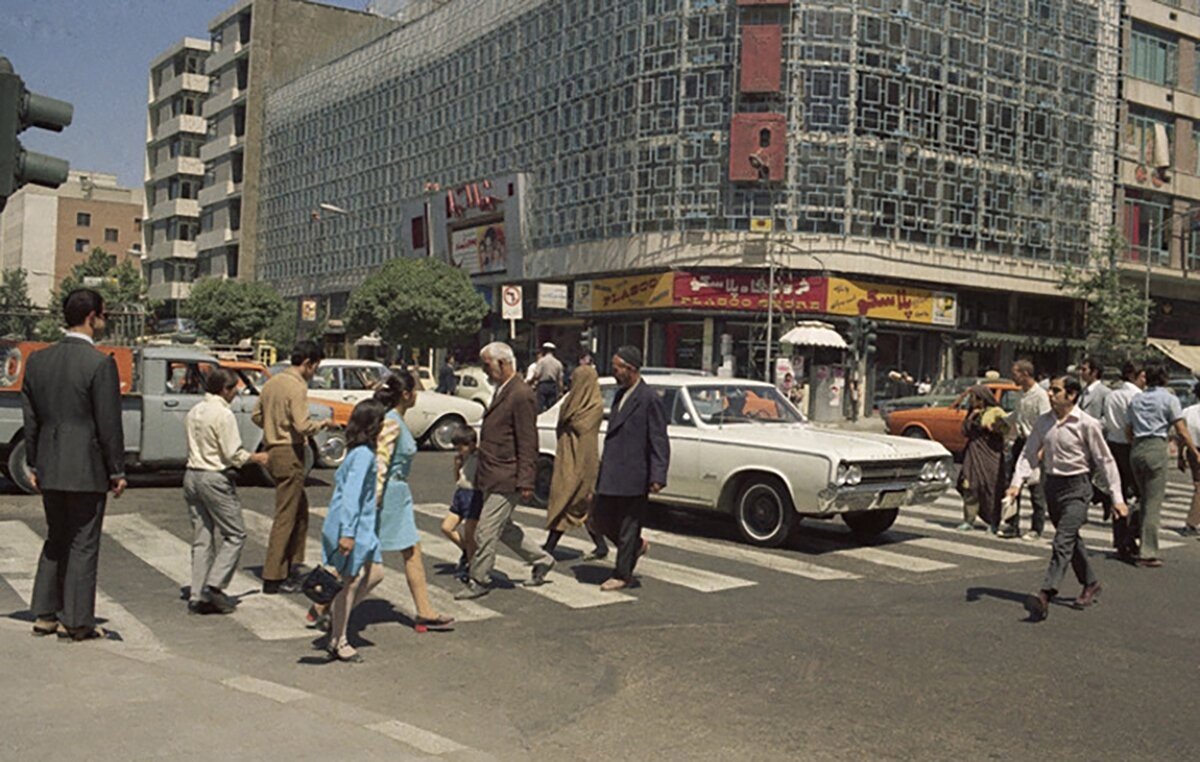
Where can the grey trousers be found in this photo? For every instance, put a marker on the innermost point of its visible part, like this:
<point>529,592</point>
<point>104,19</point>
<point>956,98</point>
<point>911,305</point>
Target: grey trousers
<point>218,530</point>
<point>1067,499</point>
<point>496,525</point>
<point>65,585</point>
<point>1149,461</point>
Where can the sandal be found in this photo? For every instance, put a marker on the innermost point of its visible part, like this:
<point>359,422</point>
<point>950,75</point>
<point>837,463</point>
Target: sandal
<point>80,634</point>
<point>337,654</point>
<point>422,624</point>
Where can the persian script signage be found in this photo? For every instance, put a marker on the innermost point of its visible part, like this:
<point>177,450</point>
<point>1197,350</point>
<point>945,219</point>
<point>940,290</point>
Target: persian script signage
<point>749,292</point>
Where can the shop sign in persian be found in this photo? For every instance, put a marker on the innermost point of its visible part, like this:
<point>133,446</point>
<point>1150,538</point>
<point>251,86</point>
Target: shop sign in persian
<point>888,302</point>
<point>481,249</point>
<point>633,292</point>
<point>748,291</point>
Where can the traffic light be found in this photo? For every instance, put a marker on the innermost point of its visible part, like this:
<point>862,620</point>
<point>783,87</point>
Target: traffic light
<point>20,110</point>
<point>587,340</point>
<point>869,335</point>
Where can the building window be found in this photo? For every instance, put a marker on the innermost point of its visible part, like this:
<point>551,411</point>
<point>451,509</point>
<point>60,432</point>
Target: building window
<point>111,234</point>
<point>137,224</point>
<point>137,247</point>
<point>1139,133</point>
<point>83,219</point>
<point>418,232</point>
<point>1153,56</point>
<point>82,244</point>
<point>1148,228</point>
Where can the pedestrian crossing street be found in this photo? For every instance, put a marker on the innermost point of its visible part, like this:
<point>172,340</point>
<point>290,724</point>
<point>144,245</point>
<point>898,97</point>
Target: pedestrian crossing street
<point>923,543</point>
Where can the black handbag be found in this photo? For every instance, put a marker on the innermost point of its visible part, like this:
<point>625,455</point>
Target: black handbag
<point>322,585</point>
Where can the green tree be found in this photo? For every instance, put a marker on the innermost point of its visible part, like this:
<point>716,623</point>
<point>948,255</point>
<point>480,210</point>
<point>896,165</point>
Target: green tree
<point>120,284</point>
<point>418,302</point>
<point>282,332</point>
<point>1115,320</point>
<point>228,311</point>
<point>17,316</point>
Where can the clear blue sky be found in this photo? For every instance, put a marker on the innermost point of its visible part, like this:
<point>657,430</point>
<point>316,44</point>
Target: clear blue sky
<point>96,54</point>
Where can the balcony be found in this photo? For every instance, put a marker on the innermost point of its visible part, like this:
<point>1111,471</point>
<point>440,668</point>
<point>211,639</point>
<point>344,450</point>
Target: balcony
<point>180,165</point>
<point>184,123</point>
<point>180,207</point>
<point>216,193</point>
<point>228,53</point>
<point>172,250</point>
<point>222,101</point>
<point>193,83</point>
<point>160,292</point>
<point>216,239</point>
<point>218,147</point>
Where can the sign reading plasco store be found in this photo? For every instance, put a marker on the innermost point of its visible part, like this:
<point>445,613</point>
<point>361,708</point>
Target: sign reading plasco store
<point>888,302</point>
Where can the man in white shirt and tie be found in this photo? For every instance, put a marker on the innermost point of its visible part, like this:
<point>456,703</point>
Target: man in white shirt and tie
<point>1115,420</point>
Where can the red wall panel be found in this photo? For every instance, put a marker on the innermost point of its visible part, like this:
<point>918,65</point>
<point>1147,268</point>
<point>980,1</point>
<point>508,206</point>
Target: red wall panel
<point>762,58</point>
<point>757,147</point>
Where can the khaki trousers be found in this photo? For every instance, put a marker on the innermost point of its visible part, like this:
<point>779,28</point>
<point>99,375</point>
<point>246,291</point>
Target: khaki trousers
<point>285,463</point>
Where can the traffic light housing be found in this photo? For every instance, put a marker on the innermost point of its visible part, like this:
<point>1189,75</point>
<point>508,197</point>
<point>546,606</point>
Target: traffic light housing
<point>587,340</point>
<point>20,110</point>
<point>869,336</point>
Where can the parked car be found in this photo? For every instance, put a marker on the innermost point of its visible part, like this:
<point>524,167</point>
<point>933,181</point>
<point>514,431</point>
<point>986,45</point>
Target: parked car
<point>738,447</point>
<point>943,393</point>
<point>159,385</point>
<point>474,385</point>
<point>1184,388</point>
<point>943,424</point>
<point>433,419</point>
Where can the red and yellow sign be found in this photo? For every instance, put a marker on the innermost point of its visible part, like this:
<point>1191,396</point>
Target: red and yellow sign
<point>748,291</point>
<point>886,302</point>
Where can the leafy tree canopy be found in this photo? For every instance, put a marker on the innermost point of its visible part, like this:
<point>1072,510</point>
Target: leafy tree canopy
<point>17,317</point>
<point>418,302</point>
<point>228,311</point>
<point>120,284</point>
<point>1116,309</point>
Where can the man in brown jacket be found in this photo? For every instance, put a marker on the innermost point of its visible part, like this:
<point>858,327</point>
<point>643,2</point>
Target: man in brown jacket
<point>507,467</point>
<point>282,414</point>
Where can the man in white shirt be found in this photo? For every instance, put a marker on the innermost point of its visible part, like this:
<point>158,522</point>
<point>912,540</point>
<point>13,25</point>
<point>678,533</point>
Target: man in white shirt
<point>215,452</point>
<point>1034,403</point>
<point>1189,463</point>
<point>1091,377</point>
<point>1115,420</point>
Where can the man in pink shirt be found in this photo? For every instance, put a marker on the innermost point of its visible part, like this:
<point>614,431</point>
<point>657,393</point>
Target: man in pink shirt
<point>1070,444</point>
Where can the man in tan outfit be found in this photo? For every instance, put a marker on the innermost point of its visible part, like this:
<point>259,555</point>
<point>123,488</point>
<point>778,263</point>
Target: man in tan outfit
<point>282,414</point>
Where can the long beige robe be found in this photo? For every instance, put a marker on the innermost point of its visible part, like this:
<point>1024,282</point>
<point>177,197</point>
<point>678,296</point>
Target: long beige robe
<point>577,455</point>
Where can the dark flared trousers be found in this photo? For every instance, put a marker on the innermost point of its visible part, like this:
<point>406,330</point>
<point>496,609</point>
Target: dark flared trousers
<point>620,519</point>
<point>1067,499</point>
<point>65,586</point>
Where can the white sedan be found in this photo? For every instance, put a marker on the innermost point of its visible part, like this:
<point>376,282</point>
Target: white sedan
<point>739,447</point>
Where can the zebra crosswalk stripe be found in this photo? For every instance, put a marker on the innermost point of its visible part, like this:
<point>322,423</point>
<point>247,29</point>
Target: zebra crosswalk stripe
<point>20,548</point>
<point>1094,535</point>
<point>892,559</point>
<point>971,551</point>
<point>393,588</point>
<point>270,617</point>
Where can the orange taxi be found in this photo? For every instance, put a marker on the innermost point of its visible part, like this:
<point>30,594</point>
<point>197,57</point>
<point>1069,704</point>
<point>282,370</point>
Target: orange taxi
<point>944,424</point>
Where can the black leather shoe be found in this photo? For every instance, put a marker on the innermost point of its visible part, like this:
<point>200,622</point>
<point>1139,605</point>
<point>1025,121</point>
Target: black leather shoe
<point>1038,606</point>
<point>221,603</point>
<point>1088,596</point>
<point>275,587</point>
<point>538,577</point>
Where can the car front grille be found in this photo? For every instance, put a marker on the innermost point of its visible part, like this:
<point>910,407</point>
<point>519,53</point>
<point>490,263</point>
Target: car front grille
<point>891,471</point>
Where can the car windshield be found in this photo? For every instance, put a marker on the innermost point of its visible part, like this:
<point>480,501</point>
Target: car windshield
<point>737,403</point>
<point>953,386</point>
<point>363,378</point>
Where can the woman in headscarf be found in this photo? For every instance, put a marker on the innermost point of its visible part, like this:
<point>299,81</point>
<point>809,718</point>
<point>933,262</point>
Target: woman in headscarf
<point>576,460</point>
<point>982,474</point>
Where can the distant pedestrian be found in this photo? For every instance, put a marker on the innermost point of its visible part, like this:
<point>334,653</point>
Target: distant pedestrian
<point>508,451</point>
<point>925,386</point>
<point>1126,529</point>
<point>1190,464</point>
<point>397,520</point>
<point>633,466</point>
<point>576,461</point>
<point>979,480</point>
<point>282,414</point>
<point>447,380</point>
<point>547,378</point>
<point>75,447</point>
<point>215,453</point>
<point>467,503</point>
<point>349,542</point>
<point>1070,445</point>
<point>1033,404</point>
<point>1152,416</point>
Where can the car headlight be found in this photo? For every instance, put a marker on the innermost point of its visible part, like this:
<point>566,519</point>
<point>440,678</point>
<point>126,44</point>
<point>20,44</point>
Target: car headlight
<point>842,473</point>
<point>927,470</point>
<point>853,475</point>
<point>941,471</point>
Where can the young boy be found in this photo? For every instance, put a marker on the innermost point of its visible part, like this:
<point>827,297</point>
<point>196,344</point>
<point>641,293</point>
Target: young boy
<point>467,501</point>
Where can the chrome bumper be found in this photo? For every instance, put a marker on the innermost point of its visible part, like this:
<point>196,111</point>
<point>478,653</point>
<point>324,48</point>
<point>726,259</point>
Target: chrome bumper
<point>871,497</point>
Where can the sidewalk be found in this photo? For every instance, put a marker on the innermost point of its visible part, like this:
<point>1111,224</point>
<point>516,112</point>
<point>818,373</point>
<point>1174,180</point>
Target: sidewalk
<point>89,700</point>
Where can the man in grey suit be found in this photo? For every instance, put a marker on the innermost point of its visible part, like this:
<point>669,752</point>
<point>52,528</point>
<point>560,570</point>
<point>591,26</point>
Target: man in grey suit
<point>634,464</point>
<point>72,405</point>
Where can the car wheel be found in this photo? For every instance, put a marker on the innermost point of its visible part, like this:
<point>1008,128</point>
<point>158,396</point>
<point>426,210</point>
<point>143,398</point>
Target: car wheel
<point>867,524</point>
<point>915,432</point>
<point>19,471</point>
<point>541,484</point>
<point>333,450</point>
<point>764,512</point>
<point>441,436</point>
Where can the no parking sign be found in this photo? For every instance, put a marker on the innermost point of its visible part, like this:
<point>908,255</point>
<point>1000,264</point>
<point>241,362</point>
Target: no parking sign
<point>511,299</point>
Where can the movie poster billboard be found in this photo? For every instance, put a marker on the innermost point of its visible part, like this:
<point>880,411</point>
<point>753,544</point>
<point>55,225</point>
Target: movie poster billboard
<point>480,250</point>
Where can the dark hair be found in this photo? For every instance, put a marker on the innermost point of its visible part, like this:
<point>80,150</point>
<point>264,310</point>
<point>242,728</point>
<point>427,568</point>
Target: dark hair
<point>218,379</point>
<point>463,435</point>
<point>1156,374</point>
<point>1130,370</point>
<point>1025,365</point>
<point>1095,365</point>
<point>394,386</point>
<point>365,422</point>
<point>307,350</point>
<point>1071,386</point>
<point>79,304</point>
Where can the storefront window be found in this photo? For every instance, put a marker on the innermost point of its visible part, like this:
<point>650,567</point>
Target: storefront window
<point>683,345</point>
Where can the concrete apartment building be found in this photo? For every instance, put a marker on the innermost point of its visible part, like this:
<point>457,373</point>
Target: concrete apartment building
<point>174,172</point>
<point>48,231</point>
<point>1158,190</point>
<point>256,43</point>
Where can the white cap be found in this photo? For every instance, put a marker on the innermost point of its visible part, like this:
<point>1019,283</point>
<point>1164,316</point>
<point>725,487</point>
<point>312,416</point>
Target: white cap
<point>549,345</point>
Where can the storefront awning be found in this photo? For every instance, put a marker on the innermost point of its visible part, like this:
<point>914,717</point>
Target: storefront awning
<point>813,333</point>
<point>1185,355</point>
<point>1020,341</point>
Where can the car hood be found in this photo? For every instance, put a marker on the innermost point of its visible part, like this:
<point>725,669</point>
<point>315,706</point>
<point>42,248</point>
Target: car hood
<point>837,445</point>
<point>445,403</point>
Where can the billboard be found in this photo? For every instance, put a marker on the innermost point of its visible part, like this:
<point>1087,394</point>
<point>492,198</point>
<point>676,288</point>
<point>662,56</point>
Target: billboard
<point>887,302</point>
<point>748,291</point>
<point>481,249</point>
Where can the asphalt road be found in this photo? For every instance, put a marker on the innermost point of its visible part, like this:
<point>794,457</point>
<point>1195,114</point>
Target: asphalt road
<point>914,647</point>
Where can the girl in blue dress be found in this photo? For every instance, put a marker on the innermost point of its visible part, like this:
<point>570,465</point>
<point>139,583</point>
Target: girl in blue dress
<point>397,524</point>
<point>349,538</point>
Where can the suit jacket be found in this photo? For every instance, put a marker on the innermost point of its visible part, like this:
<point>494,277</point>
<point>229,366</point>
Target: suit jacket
<point>636,449</point>
<point>508,441</point>
<point>71,399</point>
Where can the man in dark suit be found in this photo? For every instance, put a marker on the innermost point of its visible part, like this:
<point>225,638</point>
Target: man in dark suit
<point>634,464</point>
<point>508,451</point>
<point>76,448</point>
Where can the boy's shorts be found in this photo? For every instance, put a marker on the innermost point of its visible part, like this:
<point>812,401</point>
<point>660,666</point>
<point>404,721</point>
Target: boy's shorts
<point>467,503</point>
